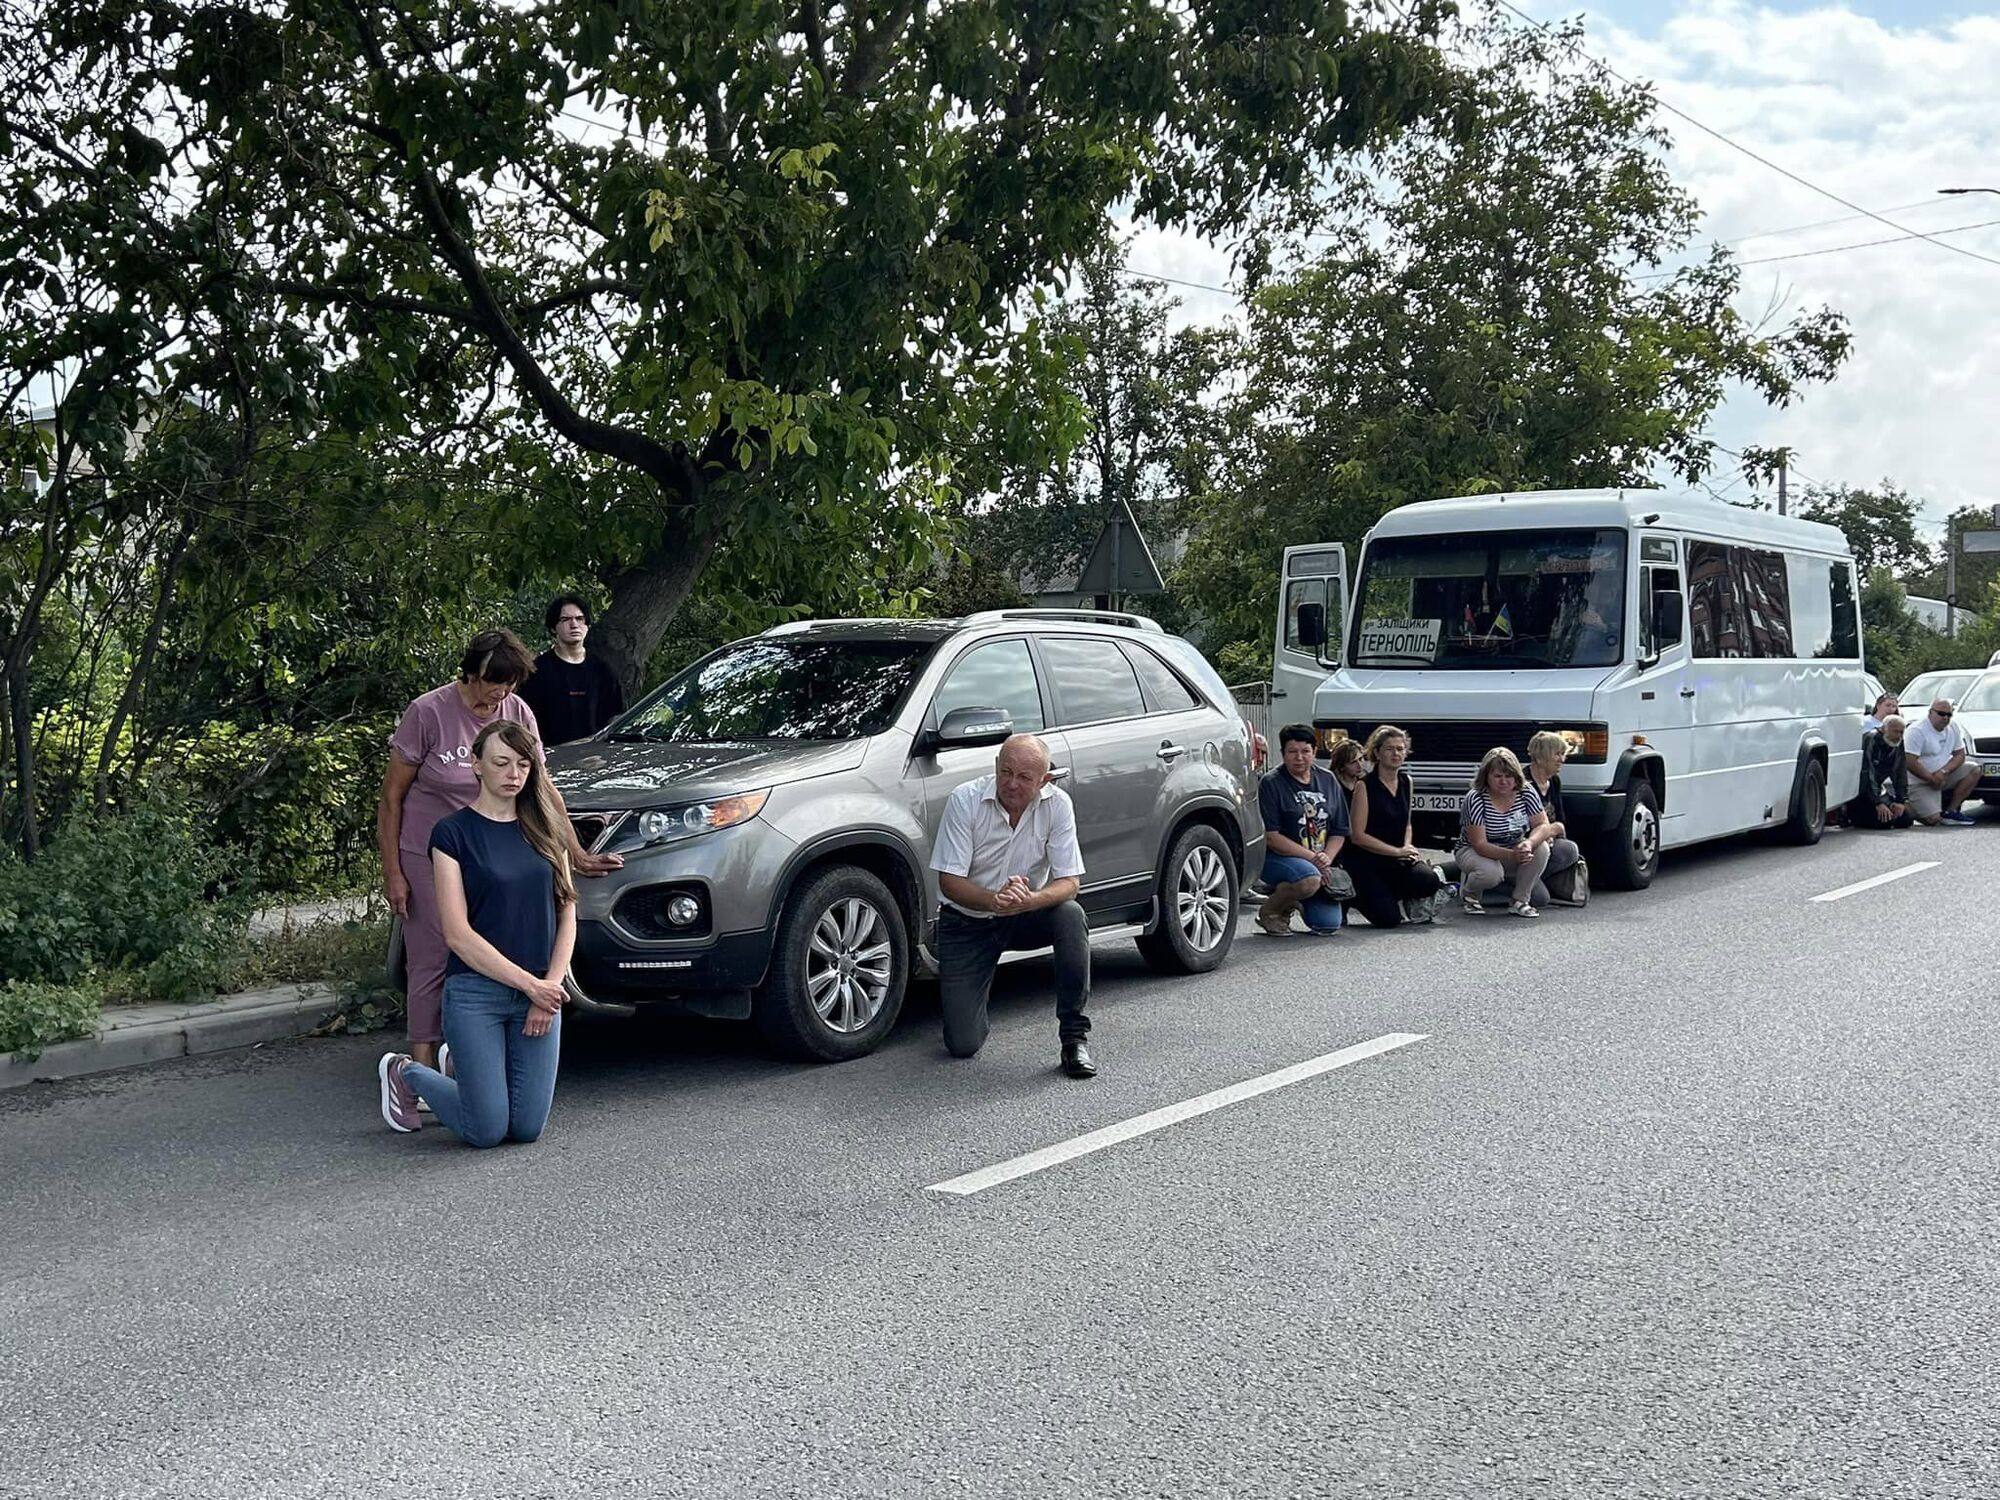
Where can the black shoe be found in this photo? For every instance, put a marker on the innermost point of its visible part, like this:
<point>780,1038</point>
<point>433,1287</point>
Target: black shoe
<point>1076,1061</point>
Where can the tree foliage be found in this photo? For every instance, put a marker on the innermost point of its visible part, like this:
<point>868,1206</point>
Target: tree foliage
<point>1482,321</point>
<point>1143,432</point>
<point>1880,525</point>
<point>691,277</point>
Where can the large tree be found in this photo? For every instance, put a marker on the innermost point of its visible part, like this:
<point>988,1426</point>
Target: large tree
<point>1484,319</point>
<point>689,275</point>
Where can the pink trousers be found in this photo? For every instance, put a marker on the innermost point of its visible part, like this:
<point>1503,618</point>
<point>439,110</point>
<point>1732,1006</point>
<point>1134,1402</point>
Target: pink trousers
<point>424,951</point>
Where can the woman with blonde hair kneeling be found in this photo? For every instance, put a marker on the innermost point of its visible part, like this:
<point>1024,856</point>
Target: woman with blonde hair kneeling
<point>1502,832</point>
<point>1393,882</point>
<point>1567,879</point>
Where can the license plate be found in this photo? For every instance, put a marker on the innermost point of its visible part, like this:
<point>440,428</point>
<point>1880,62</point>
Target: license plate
<point>1436,801</point>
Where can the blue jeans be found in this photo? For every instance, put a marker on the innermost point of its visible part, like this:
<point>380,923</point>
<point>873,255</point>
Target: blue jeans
<point>506,1079</point>
<point>1322,913</point>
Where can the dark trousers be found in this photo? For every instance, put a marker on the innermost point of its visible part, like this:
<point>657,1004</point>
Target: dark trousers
<point>1381,884</point>
<point>969,950</point>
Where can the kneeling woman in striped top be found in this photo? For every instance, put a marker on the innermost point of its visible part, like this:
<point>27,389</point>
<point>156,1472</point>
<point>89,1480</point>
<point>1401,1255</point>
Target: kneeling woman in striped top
<point>507,905</point>
<point>1502,832</point>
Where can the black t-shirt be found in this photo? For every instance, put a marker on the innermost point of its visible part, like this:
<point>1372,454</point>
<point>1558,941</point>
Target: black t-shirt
<point>572,700</point>
<point>510,890</point>
<point>1305,812</point>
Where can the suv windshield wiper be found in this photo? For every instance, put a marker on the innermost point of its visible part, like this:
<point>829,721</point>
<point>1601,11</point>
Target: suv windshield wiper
<point>630,739</point>
<point>1375,657</point>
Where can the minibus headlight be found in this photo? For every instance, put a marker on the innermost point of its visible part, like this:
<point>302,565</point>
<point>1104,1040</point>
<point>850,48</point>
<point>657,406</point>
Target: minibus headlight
<point>1590,744</point>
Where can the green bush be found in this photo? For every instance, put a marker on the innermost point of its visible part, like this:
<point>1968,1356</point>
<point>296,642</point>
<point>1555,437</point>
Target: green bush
<point>34,1016</point>
<point>140,894</point>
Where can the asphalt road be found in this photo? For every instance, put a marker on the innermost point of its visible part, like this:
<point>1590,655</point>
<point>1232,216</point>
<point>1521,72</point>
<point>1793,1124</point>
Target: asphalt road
<point>1692,1193</point>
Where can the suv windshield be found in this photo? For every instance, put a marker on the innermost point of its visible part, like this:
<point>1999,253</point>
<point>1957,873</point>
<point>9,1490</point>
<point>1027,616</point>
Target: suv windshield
<point>1492,599</point>
<point>797,689</point>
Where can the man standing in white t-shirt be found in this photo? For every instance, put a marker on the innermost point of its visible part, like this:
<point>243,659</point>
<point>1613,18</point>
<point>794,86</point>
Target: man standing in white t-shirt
<point>1008,865</point>
<point>1940,778</point>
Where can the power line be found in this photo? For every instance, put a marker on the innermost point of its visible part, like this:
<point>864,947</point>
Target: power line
<point>1765,161</point>
<point>1200,286</point>
<point>1765,260</point>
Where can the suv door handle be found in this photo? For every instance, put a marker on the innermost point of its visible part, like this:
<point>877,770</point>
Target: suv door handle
<point>1687,692</point>
<point>1170,751</point>
<point>1059,773</point>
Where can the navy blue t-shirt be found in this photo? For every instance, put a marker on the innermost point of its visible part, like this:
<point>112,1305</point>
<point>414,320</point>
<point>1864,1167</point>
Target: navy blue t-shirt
<point>510,890</point>
<point>1306,813</point>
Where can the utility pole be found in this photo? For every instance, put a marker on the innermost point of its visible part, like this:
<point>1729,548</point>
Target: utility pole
<point>1783,457</point>
<point>1950,582</point>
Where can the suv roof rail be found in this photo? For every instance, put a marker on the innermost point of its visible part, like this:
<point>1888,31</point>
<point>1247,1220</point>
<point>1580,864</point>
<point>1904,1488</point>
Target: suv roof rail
<point>1072,616</point>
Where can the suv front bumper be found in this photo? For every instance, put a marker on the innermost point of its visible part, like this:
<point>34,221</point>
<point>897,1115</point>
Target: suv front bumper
<point>715,979</point>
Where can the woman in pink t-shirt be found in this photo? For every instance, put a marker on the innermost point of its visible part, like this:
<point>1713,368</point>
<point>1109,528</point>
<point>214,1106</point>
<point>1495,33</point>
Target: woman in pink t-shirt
<point>429,778</point>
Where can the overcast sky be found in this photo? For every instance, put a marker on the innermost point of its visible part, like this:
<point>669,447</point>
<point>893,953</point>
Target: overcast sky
<point>1880,103</point>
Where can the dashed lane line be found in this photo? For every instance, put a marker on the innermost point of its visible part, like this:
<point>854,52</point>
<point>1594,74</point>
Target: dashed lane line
<point>1874,880</point>
<point>1173,1114</point>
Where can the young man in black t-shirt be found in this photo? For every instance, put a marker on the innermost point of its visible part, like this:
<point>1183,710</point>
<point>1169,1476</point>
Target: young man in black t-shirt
<point>572,693</point>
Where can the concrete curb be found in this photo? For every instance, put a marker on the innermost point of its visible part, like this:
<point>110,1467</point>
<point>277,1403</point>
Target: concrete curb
<point>135,1034</point>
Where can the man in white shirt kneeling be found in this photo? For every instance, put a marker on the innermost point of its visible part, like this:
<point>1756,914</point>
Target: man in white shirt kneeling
<point>1007,864</point>
<point>1941,774</point>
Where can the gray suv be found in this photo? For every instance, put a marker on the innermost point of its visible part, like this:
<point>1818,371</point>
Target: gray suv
<point>775,804</point>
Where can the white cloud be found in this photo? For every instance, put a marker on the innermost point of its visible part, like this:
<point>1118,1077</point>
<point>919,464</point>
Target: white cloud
<point>1881,115</point>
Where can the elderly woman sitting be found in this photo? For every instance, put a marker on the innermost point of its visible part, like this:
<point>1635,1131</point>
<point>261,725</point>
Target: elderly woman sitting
<point>1884,798</point>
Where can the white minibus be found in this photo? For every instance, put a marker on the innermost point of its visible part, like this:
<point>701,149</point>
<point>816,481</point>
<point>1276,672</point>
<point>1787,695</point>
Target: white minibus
<point>1703,660</point>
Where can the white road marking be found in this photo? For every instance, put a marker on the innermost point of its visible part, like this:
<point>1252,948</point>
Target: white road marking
<point>1172,1114</point>
<point>1874,880</point>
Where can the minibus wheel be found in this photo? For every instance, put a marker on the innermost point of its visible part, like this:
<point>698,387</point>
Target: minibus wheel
<point>1808,819</point>
<point>1630,855</point>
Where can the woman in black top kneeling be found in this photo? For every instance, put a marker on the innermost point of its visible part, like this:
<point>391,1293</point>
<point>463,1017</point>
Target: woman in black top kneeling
<point>1393,882</point>
<point>507,904</point>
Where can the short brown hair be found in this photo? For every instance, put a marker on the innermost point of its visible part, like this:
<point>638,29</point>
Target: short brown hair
<point>496,656</point>
<point>1504,758</point>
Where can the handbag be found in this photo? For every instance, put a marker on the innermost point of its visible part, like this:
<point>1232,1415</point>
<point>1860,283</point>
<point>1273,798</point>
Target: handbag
<point>1336,885</point>
<point>1571,886</point>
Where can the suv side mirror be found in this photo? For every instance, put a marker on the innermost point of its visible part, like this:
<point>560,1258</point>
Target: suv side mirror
<point>965,728</point>
<point>1312,625</point>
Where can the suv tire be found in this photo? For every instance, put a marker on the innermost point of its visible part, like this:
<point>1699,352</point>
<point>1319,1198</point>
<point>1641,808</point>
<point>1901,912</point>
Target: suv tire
<point>839,968</point>
<point>1197,905</point>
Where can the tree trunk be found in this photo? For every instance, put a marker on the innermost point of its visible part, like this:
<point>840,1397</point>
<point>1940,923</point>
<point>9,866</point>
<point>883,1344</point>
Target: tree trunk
<point>644,600</point>
<point>142,666</point>
<point>20,718</point>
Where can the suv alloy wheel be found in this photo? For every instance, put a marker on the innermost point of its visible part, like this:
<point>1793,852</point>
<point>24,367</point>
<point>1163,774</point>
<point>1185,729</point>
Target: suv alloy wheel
<point>1197,905</point>
<point>839,968</point>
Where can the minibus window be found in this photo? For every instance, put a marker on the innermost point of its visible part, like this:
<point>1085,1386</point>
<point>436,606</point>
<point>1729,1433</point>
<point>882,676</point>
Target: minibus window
<point>1492,599</point>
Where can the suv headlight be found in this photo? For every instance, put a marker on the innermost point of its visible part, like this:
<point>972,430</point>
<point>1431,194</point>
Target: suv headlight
<point>669,825</point>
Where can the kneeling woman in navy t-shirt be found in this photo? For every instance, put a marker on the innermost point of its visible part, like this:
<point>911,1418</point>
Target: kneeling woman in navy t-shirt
<point>507,905</point>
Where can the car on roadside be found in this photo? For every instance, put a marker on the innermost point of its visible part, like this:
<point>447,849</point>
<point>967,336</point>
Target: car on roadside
<point>1927,687</point>
<point>1976,707</point>
<point>775,804</point>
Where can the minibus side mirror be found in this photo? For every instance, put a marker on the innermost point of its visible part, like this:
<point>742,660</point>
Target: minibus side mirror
<point>1312,626</point>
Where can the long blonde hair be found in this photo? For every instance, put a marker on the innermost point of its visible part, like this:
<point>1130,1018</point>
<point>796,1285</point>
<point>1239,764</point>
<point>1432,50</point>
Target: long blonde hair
<point>1504,758</point>
<point>535,803</point>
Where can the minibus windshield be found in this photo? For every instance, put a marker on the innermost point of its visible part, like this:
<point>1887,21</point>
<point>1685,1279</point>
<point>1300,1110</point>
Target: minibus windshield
<point>1491,599</point>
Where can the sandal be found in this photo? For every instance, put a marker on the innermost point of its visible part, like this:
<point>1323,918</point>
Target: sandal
<point>1474,907</point>
<point>1523,909</point>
